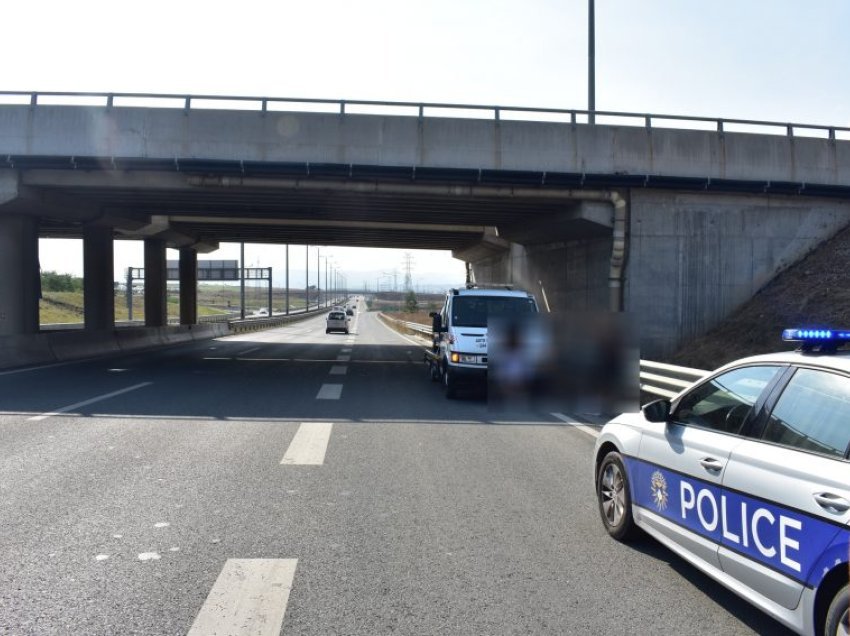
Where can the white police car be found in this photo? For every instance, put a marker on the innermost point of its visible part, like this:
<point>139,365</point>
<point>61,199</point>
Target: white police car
<point>745,474</point>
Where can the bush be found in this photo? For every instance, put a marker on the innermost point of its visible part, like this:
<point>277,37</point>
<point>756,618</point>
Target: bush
<point>53,282</point>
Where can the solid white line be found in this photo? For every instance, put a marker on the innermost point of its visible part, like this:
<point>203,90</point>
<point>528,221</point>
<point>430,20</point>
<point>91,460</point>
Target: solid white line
<point>329,392</point>
<point>339,369</point>
<point>71,407</point>
<point>309,445</point>
<point>419,344</point>
<point>582,427</point>
<point>248,598</point>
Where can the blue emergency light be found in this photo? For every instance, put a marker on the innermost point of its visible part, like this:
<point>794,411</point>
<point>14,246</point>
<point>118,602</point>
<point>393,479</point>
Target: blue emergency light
<point>823,339</point>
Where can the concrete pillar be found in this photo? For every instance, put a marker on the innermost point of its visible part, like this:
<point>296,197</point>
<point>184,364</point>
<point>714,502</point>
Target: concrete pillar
<point>156,276</point>
<point>188,286</point>
<point>19,275</point>
<point>98,287</point>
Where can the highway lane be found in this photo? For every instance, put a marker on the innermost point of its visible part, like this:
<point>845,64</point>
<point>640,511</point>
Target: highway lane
<point>418,515</point>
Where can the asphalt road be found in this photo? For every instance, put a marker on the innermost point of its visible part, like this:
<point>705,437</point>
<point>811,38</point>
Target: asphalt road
<point>133,488</point>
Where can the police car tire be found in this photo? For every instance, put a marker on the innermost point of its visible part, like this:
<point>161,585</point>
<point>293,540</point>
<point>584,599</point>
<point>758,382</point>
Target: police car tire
<point>837,611</point>
<point>625,529</point>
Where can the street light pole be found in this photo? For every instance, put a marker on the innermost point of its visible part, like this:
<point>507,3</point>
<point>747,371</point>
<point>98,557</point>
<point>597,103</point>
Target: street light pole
<point>591,63</point>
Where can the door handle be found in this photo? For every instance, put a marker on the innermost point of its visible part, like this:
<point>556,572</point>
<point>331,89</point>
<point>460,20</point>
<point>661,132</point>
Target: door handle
<point>828,500</point>
<point>709,463</point>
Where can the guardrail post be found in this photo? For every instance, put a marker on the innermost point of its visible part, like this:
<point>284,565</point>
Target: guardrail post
<point>832,134</point>
<point>187,103</point>
<point>789,130</point>
<point>34,99</point>
<point>342,107</point>
<point>264,105</point>
<point>109,99</point>
<point>421,111</point>
<point>647,120</point>
<point>496,110</point>
<point>720,125</point>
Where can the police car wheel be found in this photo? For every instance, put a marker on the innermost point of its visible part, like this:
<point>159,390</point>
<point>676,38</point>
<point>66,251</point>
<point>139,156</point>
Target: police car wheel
<point>612,492</point>
<point>838,615</point>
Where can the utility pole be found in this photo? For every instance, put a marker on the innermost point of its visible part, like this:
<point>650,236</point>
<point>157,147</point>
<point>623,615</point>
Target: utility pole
<point>591,62</point>
<point>407,259</point>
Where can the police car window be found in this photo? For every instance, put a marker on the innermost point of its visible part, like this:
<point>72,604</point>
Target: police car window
<point>723,403</point>
<point>813,413</point>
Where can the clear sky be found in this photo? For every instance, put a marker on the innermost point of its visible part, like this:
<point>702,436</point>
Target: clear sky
<point>782,60</point>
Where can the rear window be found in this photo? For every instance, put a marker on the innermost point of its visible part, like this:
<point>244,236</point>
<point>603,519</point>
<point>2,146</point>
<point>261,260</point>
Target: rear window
<point>337,315</point>
<point>473,311</point>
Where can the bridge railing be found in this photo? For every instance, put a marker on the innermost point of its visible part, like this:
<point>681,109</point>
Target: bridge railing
<point>417,109</point>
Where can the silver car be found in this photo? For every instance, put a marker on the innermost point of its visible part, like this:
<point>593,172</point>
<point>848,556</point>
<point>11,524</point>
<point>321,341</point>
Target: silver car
<point>745,474</point>
<point>336,321</point>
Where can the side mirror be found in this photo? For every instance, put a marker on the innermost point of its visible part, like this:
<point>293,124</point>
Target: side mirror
<point>436,322</point>
<point>657,411</point>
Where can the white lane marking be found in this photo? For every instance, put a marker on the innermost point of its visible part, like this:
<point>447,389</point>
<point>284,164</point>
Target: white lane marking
<point>249,597</point>
<point>71,407</point>
<point>149,556</point>
<point>309,445</point>
<point>247,351</point>
<point>339,369</point>
<point>582,427</point>
<point>329,392</point>
<point>346,350</point>
<point>342,358</point>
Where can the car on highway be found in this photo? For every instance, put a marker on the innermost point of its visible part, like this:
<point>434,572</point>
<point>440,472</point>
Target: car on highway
<point>349,312</point>
<point>745,474</point>
<point>336,321</point>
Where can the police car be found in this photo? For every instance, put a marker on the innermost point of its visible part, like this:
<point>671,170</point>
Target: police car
<point>745,474</point>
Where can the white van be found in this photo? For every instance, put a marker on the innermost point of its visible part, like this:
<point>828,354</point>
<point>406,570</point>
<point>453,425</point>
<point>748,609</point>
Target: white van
<point>459,352</point>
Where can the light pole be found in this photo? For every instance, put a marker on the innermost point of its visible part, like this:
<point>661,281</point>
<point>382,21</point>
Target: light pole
<point>591,63</point>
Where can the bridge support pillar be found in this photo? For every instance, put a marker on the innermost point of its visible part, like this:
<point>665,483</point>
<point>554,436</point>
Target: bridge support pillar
<point>98,286</point>
<point>20,281</point>
<point>188,286</point>
<point>156,276</point>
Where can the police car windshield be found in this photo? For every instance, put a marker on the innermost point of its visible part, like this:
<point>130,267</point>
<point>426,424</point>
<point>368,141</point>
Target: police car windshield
<point>473,311</point>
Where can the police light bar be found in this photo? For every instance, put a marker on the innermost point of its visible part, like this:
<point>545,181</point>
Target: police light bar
<point>816,335</point>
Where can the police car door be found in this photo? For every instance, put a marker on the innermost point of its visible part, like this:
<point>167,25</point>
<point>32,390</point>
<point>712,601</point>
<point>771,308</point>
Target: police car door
<point>788,492</point>
<point>682,461</point>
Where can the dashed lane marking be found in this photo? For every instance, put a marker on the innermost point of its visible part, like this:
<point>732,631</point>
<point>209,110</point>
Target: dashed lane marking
<point>339,369</point>
<point>71,407</point>
<point>309,445</point>
<point>249,597</point>
<point>343,358</point>
<point>576,424</point>
<point>329,392</point>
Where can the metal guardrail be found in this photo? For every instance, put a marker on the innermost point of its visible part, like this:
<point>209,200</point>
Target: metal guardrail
<point>419,109</point>
<point>419,328</point>
<point>667,380</point>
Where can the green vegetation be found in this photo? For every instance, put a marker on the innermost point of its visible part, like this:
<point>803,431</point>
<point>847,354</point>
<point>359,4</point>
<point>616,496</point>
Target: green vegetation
<point>53,282</point>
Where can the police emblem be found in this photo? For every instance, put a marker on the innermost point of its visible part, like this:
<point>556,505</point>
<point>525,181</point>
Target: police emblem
<point>659,490</point>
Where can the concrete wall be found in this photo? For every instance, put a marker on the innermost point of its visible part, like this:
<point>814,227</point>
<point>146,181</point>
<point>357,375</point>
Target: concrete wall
<point>573,275</point>
<point>408,141</point>
<point>695,258</point>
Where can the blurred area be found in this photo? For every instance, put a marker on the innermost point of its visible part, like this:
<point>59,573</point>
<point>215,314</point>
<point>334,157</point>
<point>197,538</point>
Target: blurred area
<point>570,362</point>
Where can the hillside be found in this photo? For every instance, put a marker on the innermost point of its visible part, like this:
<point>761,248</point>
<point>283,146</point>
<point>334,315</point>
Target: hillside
<point>811,293</point>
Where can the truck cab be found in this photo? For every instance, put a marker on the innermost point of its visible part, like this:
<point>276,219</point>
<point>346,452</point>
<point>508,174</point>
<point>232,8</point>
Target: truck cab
<point>459,352</point>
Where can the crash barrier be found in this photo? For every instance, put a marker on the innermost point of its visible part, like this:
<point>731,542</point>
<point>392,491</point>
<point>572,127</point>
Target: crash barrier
<point>666,380</point>
<point>255,323</point>
<point>60,346</point>
<point>418,328</point>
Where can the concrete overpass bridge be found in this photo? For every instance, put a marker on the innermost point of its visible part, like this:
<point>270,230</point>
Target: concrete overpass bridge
<point>676,220</point>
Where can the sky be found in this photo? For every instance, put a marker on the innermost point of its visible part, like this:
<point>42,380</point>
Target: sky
<point>777,60</point>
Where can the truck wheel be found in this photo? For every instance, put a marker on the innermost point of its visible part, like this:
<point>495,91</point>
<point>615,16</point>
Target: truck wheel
<point>434,371</point>
<point>449,383</point>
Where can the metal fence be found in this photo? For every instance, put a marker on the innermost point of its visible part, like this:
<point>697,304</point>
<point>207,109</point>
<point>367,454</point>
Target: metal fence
<point>416,109</point>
